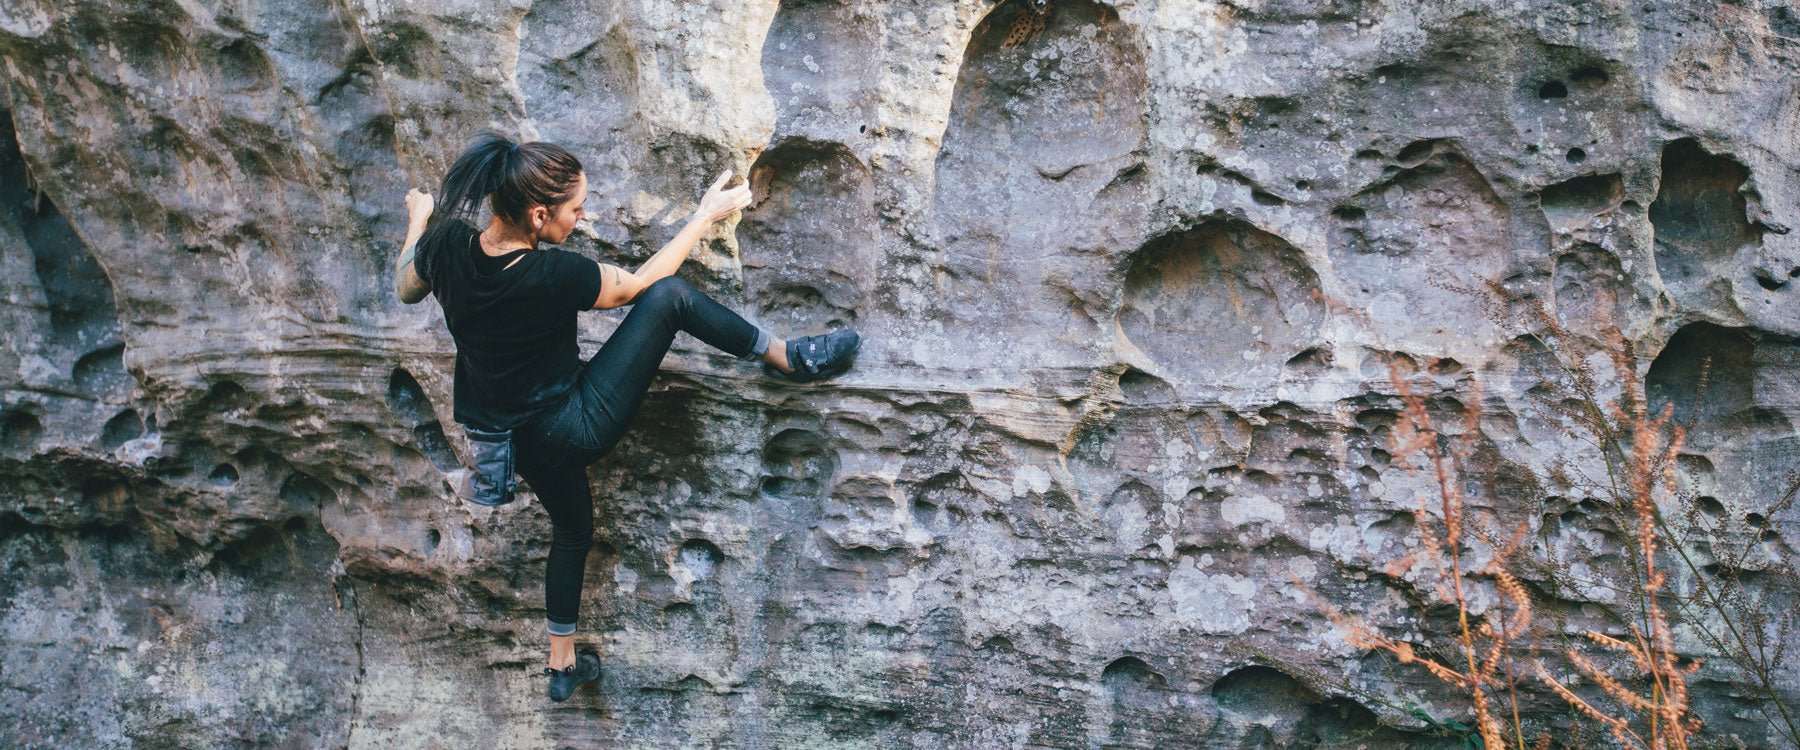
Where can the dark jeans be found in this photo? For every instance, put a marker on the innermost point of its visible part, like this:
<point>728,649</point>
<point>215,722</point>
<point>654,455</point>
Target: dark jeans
<point>555,449</point>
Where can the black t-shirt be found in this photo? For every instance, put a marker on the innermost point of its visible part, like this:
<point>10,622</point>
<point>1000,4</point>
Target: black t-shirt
<point>514,327</point>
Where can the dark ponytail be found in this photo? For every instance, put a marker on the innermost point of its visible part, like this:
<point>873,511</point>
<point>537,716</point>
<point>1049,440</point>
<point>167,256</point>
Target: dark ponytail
<point>517,176</point>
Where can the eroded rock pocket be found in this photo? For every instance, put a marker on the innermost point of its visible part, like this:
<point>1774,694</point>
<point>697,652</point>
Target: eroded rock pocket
<point>409,404</point>
<point>808,242</point>
<point>1222,304</point>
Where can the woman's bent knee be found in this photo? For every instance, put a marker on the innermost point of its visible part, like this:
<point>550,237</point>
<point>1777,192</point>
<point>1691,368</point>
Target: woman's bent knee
<point>668,290</point>
<point>572,538</point>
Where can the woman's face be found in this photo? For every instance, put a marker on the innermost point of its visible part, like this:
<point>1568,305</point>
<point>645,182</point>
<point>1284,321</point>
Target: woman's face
<point>560,220</point>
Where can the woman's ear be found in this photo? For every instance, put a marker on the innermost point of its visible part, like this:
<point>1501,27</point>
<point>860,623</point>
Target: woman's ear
<point>539,216</point>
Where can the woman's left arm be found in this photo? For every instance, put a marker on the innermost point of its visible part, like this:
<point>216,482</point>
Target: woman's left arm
<point>407,282</point>
<point>621,287</point>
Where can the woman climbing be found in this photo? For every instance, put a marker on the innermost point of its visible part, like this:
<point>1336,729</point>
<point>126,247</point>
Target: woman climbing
<point>511,310</point>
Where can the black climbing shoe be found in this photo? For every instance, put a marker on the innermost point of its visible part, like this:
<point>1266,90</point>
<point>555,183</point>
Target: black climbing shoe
<point>818,357</point>
<point>564,681</point>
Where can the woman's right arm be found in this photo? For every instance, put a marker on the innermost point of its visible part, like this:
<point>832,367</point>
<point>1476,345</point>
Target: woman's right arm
<point>619,286</point>
<point>407,282</point>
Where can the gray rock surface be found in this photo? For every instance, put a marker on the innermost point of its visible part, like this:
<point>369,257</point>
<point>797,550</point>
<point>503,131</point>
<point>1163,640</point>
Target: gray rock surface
<point>1133,277</point>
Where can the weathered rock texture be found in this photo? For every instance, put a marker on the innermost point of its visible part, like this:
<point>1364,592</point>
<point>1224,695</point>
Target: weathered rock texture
<point>1133,277</point>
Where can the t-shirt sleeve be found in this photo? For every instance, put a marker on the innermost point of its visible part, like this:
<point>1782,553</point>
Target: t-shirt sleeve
<point>428,258</point>
<point>576,281</point>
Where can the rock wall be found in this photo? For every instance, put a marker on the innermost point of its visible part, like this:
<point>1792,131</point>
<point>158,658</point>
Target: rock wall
<point>1133,277</point>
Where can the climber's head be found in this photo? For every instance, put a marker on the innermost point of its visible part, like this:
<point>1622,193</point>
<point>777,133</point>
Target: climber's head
<point>537,188</point>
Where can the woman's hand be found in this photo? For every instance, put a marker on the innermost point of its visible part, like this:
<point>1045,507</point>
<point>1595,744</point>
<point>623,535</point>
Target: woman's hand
<point>418,207</point>
<point>720,201</point>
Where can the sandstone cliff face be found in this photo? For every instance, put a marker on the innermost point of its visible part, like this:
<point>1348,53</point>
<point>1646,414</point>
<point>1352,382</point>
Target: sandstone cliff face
<point>1133,277</point>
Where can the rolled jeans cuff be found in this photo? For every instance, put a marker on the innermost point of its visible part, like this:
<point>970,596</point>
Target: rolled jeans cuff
<point>560,628</point>
<point>762,345</point>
